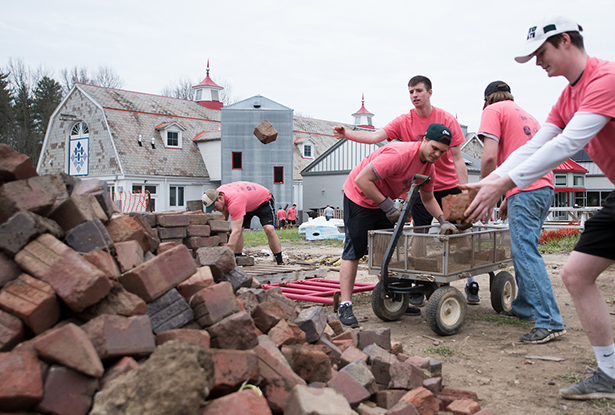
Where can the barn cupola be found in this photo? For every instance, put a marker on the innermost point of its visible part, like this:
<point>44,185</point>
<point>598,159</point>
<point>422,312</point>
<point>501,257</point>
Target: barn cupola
<point>363,118</point>
<point>207,93</point>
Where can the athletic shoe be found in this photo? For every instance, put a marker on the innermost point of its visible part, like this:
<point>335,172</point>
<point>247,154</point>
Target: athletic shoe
<point>472,293</point>
<point>412,311</point>
<point>597,386</point>
<point>346,316</point>
<point>511,313</point>
<point>417,299</point>
<point>540,335</point>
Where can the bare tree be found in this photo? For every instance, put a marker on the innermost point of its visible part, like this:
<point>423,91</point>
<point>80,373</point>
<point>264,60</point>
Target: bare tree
<point>107,77</point>
<point>70,77</point>
<point>182,89</point>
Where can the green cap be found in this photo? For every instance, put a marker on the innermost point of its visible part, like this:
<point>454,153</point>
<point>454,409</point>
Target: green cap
<point>439,133</point>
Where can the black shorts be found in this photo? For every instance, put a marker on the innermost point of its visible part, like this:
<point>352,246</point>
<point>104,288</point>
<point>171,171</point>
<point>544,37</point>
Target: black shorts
<point>291,222</point>
<point>281,223</point>
<point>357,221</point>
<point>265,212</point>
<point>420,215</point>
<point>598,238</point>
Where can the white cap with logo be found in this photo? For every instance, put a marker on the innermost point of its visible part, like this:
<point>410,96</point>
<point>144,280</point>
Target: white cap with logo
<point>539,33</point>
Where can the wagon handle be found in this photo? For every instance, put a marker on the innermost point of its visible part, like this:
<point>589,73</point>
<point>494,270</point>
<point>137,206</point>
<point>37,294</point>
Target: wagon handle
<point>399,228</point>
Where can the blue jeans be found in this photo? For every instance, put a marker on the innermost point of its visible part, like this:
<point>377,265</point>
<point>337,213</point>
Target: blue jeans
<point>527,212</point>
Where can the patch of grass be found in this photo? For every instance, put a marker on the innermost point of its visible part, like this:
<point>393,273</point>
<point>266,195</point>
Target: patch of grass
<point>253,238</point>
<point>602,404</point>
<point>571,377</point>
<point>441,350</point>
<point>501,320</point>
<point>565,244</point>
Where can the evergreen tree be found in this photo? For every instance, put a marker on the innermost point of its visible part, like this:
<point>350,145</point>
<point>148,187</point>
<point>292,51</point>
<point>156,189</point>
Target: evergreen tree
<point>47,97</point>
<point>7,120</point>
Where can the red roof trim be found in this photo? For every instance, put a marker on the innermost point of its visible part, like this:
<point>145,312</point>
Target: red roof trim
<point>571,166</point>
<point>161,115</point>
<point>570,189</point>
<point>198,135</point>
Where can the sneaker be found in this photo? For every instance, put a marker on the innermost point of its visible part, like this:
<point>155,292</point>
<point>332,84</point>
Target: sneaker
<point>597,386</point>
<point>472,293</point>
<point>346,316</point>
<point>417,299</point>
<point>412,311</point>
<point>540,335</point>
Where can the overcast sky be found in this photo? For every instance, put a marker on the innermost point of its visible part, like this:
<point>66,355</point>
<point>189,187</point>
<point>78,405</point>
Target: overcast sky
<point>316,57</point>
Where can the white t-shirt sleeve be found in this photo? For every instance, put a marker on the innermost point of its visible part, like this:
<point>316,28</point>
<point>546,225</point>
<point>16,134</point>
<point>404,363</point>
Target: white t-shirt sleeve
<point>550,147</point>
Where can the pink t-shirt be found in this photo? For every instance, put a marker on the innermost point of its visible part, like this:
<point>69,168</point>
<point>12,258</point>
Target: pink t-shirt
<point>395,164</point>
<point>595,93</point>
<point>281,214</point>
<point>242,197</point>
<point>511,126</point>
<point>292,214</point>
<point>411,127</point>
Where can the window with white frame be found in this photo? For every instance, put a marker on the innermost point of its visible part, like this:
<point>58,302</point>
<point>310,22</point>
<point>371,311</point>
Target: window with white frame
<point>176,196</point>
<point>199,94</point>
<point>560,180</point>
<point>578,180</point>
<point>307,150</point>
<point>173,138</point>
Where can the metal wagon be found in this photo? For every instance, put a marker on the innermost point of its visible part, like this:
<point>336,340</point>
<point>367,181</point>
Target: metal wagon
<point>420,260</point>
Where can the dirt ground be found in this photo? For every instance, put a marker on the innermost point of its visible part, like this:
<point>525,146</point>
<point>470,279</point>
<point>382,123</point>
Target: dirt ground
<point>487,357</point>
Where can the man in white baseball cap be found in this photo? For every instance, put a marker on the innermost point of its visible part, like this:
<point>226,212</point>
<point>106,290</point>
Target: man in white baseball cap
<point>582,118</point>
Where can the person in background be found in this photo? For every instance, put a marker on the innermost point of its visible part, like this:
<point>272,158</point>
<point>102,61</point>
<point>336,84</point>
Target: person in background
<point>281,218</point>
<point>451,167</point>
<point>504,127</point>
<point>291,218</point>
<point>582,118</point>
<point>369,192</point>
<point>241,201</point>
<point>329,212</point>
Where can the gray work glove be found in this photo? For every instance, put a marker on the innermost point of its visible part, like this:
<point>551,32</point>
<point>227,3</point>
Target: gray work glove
<point>447,228</point>
<point>392,208</point>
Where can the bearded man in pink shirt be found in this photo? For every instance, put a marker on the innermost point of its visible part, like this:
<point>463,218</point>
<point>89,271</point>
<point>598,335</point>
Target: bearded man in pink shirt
<point>369,191</point>
<point>582,118</point>
<point>504,127</point>
<point>242,201</point>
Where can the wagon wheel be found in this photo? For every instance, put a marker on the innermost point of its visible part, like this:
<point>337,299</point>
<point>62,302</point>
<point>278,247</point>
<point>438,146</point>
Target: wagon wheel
<point>388,309</point>
<point>503,291</point>
<point>446,311</point>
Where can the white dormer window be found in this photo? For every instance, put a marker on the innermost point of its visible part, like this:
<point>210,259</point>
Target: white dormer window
<point>173,139</point>
<point>171,134</point>
<point>214,95</point>
<point>199,94</point>
<point>307,151</point>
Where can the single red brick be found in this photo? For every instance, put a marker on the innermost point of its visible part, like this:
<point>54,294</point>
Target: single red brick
<point>14,165</point>
<point>310,363</point>
<point>232,368</point>
<point>403,408</point>
<point>125,228</point>
<point>21,381</point>
<point>423,400</point>
<point>9,270</point>
<point>70,346</point>
<point>352,354</point>
<point>37,194</point>
<point>117,336</point>
<point>67,392</point>
<point>285,333</point>
<point>265,132</point>
<point>11,331</point>
<point>33,301</point>
<point>172,233</point>
<point>463,407</point>
<point>210,305</point>
<point>449,395</point>
<point>202,278</point>
<point>76,210</point>
<point>198,230</point>
<point>267,314</point>
<point>245,402</point>
<point>165,246</point>
<point>388,398</point>
<point>236,331</point>
<point>170,220</point>
<point>155,277</point>
<point>348,386</point>
<point>76,281</point>
<point>118,302</point>
<point>129,255</point>
<point>104,262</point>
<point>200,337</point>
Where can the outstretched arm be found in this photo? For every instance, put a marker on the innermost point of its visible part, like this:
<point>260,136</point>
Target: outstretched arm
<point>365,137</point>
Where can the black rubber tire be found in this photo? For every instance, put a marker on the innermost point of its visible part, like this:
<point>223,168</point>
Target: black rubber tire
<point>446,311</point>
<point>388,310</point>
<point>503,291</point>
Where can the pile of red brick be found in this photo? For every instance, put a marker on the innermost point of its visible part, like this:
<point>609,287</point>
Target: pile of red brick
<point>98,316</point>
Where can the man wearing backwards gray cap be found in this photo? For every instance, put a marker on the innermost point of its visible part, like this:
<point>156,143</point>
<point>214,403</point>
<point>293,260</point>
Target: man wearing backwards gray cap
<point>583,117</point>
<point>242,201</point>
<point>504,127</point>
